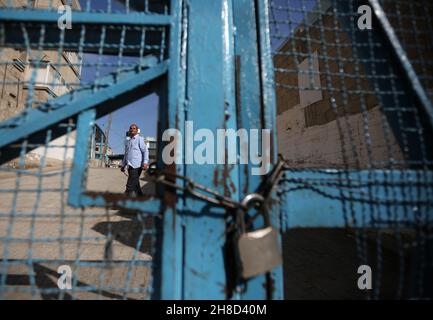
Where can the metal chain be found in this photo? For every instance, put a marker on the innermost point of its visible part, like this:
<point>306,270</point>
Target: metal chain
<point>168,179</point>
<point>206,194</point>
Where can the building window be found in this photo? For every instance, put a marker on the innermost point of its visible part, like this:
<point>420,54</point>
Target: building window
<point>310,89</point>
<point>38,72</point>
<point>47,77</point>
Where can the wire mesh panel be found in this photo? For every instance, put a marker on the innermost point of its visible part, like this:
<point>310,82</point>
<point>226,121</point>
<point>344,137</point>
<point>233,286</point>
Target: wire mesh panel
<point>353,102</point>
<point>354,132</point>
<point>49,74</point>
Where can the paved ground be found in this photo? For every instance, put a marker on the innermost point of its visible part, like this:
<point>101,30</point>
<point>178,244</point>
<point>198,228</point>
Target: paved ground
<point>57,229</point>
<point>319,264</point>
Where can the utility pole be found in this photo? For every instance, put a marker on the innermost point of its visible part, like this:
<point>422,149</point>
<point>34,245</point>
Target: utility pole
<point>107,134</point>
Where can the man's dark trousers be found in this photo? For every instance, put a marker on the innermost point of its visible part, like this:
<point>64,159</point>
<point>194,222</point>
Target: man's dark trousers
<point>133,183</point>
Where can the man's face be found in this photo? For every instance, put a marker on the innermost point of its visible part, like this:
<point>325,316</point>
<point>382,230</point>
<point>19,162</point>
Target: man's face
<point>133,130</point>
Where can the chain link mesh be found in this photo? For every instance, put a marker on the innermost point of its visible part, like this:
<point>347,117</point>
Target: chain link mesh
<point>343,103</point>
<point>109,251</point>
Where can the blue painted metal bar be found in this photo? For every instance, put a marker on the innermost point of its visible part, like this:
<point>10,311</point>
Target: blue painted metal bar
<point>85,37</point>
<point>267,75</point>
<point>317,199</point>
<point>85,125</point>
<point>77,17</point>
<point>248,82</point>
<point>210,93</point>
<point>168,271</point>
<point>249,86</point>
<point>109,96</point>
<point>269,117</point>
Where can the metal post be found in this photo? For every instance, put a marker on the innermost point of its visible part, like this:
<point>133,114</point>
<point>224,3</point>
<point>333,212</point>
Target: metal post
<point>168,255</point>
<point>256,105</point>
<point>211,105</point>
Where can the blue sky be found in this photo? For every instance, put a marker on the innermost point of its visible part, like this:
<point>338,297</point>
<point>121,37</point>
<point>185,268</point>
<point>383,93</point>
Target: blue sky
<point>285,16</point>
<point>143,112</point>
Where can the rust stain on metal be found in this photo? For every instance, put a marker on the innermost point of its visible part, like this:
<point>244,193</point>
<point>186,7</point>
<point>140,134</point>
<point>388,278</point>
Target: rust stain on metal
<point>170,194</point>
<point>232,185</point>
<point>198,274</point>
<point>227,116</point>
<point>229,186</point>
<point>225,178</point>
<point>247,178</point>
<point>238,88</point>
<point>215,177</point>
<point>114,198</point>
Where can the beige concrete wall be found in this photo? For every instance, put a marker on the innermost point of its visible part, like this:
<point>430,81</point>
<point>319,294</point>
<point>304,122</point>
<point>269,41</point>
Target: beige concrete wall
<point>318,127</point>
<point>43,4</point>
<point>61,148</point>
<point>328,146</point>
<point>11,84</point>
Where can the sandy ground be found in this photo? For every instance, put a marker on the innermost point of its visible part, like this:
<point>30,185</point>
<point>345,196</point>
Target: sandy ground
<point>318,264</point>
<point>33,246</point>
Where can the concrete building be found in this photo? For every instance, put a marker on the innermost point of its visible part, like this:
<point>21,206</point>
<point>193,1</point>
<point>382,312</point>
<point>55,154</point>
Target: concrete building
<point>309,134</point>
<point>152,145</point>
<point>97,144</point>
<point>51,75</point>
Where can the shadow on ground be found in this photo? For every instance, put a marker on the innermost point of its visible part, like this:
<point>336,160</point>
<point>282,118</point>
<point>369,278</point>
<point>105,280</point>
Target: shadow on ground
<point>323,264</point>
<point>91,280</point>
<point>136,232</point>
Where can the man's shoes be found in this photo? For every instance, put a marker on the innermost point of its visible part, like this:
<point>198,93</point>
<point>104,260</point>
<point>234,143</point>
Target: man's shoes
<point>131,194</point>
<point>134,194</point>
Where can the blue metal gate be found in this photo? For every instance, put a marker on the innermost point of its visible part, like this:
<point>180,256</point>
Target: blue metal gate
<point>300,68</point>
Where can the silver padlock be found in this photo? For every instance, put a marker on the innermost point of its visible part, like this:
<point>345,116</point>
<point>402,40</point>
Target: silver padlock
<point>259,250</point>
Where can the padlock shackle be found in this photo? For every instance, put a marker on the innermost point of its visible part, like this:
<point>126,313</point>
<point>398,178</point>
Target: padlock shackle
<point>246,202</point>
<point>252,197</point>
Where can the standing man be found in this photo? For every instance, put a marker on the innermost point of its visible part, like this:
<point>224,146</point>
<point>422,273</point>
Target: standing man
<point>136,158</point>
